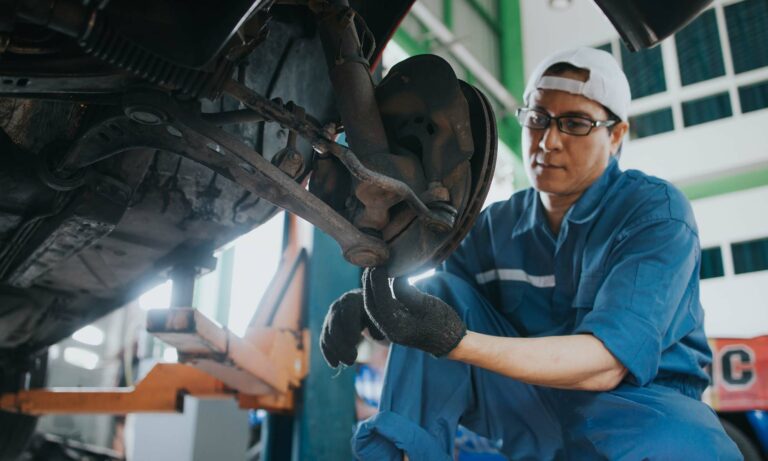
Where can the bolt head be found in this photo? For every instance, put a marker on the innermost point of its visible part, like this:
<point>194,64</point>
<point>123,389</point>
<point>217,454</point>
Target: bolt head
<point>146,115</point>
<point>363,256</point>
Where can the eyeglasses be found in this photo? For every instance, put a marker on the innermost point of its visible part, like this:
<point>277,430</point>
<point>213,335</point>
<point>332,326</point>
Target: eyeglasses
<point>575,125</point>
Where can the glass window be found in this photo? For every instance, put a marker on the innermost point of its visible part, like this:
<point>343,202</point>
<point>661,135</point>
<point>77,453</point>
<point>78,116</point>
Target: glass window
<point>751,256</point>
<point>707,109</point>
<point>698,50</point>
<point>711,263</point>
<point>754,97</point>
<point>747,23</point>
<point>645,71</point>
<point>651,123</point>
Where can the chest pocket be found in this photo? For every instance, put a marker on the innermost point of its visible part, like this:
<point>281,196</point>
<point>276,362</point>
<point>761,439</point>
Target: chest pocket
<point>512,296</point>
<point>586,291</point>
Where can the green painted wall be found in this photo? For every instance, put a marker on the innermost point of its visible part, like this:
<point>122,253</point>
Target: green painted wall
<point>726,184</point>
<point>325,416</point>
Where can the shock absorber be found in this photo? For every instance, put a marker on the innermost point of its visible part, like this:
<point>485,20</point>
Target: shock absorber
<point>350,75</point>
<point>349,71</point>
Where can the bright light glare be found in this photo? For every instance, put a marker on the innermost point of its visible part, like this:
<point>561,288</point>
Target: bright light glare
<point>90,335</point>
<point>158,297</point>
<point>81,358</point>
<point>421,276</point>
<point>393,54</point>
<point>54,352</point>
<point>170,355</point>
<point>257,255</point>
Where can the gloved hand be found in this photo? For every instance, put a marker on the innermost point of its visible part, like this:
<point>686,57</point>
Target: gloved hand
<point>342,328</point>
<point>410,317</point>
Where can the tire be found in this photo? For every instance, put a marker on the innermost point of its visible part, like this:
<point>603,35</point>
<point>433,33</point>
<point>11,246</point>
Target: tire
<point>746,446</point>
<point>179,208</point>
<point>17,430</point>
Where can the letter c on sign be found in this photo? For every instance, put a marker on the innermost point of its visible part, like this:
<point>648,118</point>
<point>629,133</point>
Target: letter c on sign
<point>737,363</point>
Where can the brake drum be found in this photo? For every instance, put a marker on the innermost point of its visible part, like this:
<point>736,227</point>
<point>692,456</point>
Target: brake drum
<point>443,132</point>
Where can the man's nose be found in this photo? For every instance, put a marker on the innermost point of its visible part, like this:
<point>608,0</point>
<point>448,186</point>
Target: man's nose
<point>550,138</point>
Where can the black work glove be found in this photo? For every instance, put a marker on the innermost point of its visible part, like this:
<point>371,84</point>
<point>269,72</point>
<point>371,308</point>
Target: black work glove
<point>410,317</point>
<point>342,329</point>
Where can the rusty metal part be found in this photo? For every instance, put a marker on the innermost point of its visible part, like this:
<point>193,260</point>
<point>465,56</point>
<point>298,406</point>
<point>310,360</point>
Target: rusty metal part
<point>288,159</point>
<point>431,179</point>
<point>313,132</point>
<point>482,165</point>
<point>349,71</point>
<point>187,135</point>
<point>435,172</point>
<point>232,117</point>
<point>235,160</point>
<point>449,127</point>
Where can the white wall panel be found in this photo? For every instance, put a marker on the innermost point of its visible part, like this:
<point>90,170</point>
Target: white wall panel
<point>709,149</point>
<point>546,30</point>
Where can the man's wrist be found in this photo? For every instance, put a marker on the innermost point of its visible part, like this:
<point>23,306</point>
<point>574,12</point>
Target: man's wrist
<point>459,352</point>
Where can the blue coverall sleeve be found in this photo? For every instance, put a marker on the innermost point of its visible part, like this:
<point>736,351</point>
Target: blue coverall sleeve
<point>647,275</point>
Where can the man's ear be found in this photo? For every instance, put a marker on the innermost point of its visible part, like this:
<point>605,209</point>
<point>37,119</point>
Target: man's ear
<point>617,135</point>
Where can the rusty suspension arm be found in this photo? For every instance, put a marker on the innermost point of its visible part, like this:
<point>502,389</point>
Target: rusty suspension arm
<point>311,131</point>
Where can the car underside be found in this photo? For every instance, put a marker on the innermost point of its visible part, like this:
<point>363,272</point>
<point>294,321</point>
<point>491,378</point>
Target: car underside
<point>140,135</point>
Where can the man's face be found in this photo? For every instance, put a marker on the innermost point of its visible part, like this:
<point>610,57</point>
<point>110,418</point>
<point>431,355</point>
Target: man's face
<point>561,164</point>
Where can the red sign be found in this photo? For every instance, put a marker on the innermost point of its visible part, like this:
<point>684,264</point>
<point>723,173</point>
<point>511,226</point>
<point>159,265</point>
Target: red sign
<point>739,374</point>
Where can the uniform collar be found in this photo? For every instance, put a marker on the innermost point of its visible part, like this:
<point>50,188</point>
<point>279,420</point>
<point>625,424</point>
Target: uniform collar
<point>583,210</point>
<point>587,206</point>
<point>533,215</point>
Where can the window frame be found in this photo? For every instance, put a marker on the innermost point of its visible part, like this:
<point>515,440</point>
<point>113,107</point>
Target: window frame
<point>676,94</point>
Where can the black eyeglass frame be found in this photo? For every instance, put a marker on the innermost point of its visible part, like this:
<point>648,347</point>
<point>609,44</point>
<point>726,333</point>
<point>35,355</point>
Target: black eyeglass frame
<point>522,111</point>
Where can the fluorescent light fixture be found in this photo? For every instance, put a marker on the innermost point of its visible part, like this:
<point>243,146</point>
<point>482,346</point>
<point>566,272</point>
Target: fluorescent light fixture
<point>158,297</point>
<point>81,358</point>
<point>90,335</point>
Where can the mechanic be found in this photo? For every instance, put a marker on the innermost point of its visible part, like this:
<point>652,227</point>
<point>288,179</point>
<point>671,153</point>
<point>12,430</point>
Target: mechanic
<point>567,325</point>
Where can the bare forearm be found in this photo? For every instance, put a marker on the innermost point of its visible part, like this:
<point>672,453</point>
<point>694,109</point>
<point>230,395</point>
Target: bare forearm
<point>566,362</point>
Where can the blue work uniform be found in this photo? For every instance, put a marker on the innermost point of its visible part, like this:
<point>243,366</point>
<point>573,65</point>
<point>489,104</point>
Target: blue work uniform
<point>624,267</point>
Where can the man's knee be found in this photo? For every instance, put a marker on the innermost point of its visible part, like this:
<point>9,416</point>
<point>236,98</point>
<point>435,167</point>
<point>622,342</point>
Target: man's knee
<point>674,439</point>
<point>653,423</point>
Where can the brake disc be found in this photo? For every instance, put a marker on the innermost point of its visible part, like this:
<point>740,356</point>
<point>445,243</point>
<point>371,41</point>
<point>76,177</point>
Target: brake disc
<point>444,130</point>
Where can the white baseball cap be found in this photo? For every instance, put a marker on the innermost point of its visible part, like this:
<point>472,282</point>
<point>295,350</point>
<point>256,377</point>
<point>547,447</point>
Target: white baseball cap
<point>606,84</point>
